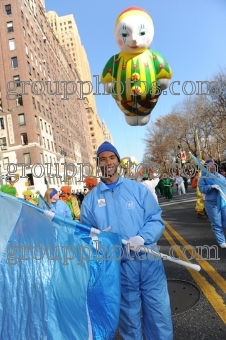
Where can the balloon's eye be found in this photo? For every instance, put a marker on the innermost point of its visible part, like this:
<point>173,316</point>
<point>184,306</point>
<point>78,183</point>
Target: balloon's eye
<point>124,35</point>
<point>142,33</point>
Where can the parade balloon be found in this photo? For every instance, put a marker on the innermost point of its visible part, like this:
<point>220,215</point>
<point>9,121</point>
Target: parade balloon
<point>136,76</point>
<point>128,162</point>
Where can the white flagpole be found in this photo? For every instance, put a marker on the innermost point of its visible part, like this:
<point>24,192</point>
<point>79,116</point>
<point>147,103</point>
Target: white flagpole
<point>195,267</point>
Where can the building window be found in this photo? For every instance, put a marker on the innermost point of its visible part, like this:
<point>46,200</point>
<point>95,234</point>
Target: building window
<point>48,144</point>
<point>50,130</point>
<point>33,103</point>
<point>44,142</point>
<point>29,67</point>
<point>14,62</point>
<point>2,125</point>
<point>19,100</point>
<point>12,44</point>
<point>24,139</point>
<point>41,158</point>
<point>36,121</point>
<point>30,179</point>
<point>16,80</point>
<point>8,9</point>
<point>41,124</point>
<point>21,118</point>
<point>39,140</point>
<point>3,142</point>
<point>26,49</point>
<point>46,127</point>
<point>22,15</point>
<point>5,162</point>
<point>10,26</point>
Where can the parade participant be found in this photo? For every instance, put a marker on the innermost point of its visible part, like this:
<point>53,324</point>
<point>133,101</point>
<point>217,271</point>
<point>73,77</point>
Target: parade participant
<point>71,201</point>
<point>199,207</point>
<point>28,197</point>
<point>57,206</point>
<point>9,189</point>
<point>131,211</point>
<point>168,185</point>
<point>210,187</point>
<point>90,182</point>
<point>180,184</point>
<point>161,186</point>
<point>185,182</point>
<point>151,184</point>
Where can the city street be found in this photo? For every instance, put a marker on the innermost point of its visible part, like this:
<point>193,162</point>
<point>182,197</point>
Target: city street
<point>207,319</point>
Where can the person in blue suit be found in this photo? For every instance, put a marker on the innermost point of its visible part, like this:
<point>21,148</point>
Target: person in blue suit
<point>215,206</point>
<point>58,206</point>
<point>132,211</point>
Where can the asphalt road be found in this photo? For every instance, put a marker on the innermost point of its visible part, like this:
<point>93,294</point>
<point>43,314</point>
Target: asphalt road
<point>198,299</point>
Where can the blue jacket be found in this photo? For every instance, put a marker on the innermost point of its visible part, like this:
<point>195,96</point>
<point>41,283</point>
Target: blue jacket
<point>130,209</point>
<point>61,209</point>
<point>205,186</point>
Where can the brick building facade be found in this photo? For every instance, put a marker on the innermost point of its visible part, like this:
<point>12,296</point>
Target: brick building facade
<point>39,121</point>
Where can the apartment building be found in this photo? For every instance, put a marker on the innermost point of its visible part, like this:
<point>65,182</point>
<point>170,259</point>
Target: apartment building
<point>67,33</point>
<point>40,122</point>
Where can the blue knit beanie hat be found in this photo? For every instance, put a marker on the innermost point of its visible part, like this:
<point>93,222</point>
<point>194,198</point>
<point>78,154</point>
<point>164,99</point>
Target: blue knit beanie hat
<point>106,146</point>
<point>209,161</point>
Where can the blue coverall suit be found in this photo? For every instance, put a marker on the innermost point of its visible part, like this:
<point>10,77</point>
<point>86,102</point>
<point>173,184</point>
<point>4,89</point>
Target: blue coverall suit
<point>130,209</point>
<point>213,206</point>
<point>61,208</point>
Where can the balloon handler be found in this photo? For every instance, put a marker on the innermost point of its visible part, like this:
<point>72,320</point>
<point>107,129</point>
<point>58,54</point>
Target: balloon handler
<point>133,213</point>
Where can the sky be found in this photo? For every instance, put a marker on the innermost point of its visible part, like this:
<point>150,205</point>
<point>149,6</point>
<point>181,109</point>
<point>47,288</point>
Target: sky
<point>190,34</point>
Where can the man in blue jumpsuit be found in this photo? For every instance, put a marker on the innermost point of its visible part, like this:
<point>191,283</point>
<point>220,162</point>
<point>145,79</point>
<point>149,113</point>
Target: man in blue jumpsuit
<point>132,211</point>
<point>216,211</point>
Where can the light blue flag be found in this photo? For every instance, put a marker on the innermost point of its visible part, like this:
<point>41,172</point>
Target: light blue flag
<point>54,284</point>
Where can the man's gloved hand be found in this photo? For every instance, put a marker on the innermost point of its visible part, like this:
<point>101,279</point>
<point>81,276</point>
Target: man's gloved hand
<point>135,242</point>
<point>215,186</point>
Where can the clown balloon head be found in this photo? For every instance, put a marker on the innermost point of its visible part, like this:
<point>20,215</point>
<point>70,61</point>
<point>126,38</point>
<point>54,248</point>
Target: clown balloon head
<point>136,76</point>
<point>131,35</point>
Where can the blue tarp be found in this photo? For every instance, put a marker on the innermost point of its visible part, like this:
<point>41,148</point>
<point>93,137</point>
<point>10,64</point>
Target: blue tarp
<point>54,284</point>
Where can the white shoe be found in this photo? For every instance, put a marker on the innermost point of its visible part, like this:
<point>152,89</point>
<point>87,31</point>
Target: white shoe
<point>222,245</point>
